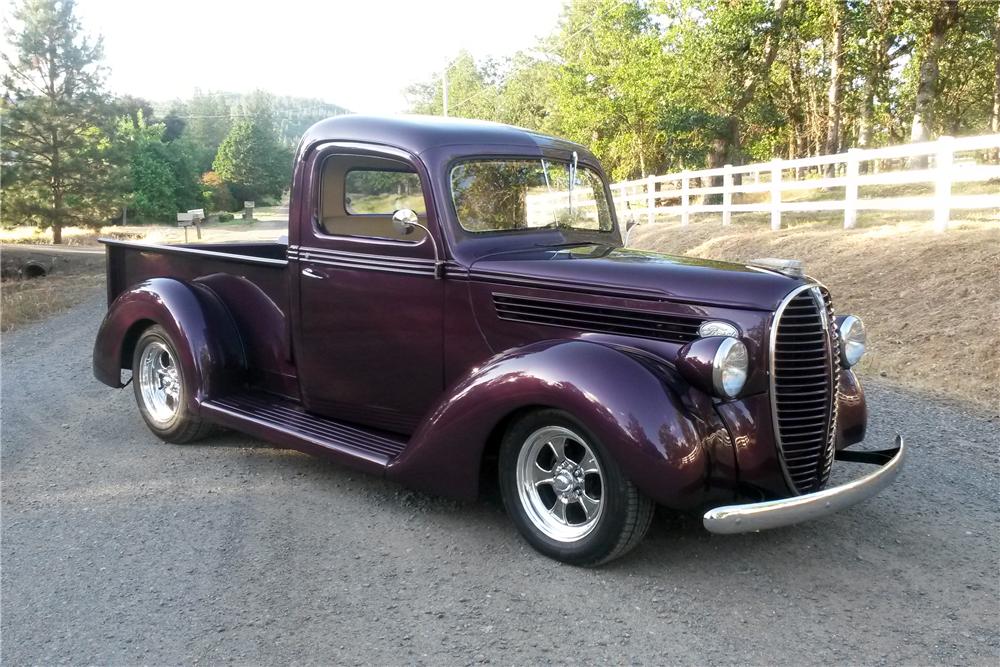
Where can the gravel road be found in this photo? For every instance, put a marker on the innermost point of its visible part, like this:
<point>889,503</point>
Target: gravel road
<point>119,549</point>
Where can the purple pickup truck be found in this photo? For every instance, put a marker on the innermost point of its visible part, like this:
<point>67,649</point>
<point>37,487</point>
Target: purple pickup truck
<point>455,301</point>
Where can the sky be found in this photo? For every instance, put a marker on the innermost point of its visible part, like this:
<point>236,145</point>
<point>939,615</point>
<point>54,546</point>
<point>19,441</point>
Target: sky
<point>359,54</point>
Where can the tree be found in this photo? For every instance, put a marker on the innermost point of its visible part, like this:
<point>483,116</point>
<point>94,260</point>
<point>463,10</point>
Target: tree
<point>163,177</point>
<point>251,159</point>
<point>835,93</point>
<point>995,113</point>
<point>944,16</point>
<point>57,156</point>
<point>657,85</point>
<point>878,40</point>
<point>207,122</point>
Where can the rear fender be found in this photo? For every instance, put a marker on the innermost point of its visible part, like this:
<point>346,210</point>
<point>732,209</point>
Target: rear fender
<point>198,323</point>
<point>662,448</point>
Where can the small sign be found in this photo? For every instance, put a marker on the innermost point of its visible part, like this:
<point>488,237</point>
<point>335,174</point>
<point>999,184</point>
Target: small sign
<point>197,213</point>
<point>185,219</point>
<point>248,204</point>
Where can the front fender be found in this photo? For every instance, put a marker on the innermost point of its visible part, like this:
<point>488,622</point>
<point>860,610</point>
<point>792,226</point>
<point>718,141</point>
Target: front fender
<point>661,446</point>
<point>198,323</point>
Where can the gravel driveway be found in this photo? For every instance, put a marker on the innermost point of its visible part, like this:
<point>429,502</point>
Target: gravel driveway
<point>119,549</point>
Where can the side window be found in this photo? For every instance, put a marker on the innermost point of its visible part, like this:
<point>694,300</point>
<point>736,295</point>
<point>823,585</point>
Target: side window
<point>379,192</point>
<point>359,193</point>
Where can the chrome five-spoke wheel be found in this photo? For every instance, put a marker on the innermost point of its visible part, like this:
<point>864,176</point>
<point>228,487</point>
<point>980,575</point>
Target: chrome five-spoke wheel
<point>565,491</point>
<point>159,382</point>
<point>560,483</point>
<point>161,389</point>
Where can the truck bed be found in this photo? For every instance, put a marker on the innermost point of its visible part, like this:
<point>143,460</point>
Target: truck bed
<point>251,280</point>
<point>131,262</point>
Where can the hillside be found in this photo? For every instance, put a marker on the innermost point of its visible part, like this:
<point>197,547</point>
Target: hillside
<point>929,301</point>
<point>292,115</point>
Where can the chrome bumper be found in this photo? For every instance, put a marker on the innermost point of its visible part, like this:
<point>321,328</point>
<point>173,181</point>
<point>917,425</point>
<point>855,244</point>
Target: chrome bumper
<point>775,513</point>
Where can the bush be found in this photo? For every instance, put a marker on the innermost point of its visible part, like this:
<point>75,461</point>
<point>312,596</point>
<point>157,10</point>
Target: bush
<point>224,217</point>
<point>217,194</point>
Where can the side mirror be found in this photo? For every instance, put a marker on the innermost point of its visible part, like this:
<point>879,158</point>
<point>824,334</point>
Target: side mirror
<point>405,220</point>
<point>629,226</point>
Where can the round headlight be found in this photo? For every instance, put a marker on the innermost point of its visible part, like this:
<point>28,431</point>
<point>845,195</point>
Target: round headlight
<point>852,340</point>
<point>729,368</point>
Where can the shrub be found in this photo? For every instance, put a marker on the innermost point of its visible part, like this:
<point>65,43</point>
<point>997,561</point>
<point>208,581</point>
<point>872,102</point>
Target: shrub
<point>216,192</point>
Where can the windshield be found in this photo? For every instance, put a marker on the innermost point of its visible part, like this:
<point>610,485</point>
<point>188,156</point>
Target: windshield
<point>519,194</point>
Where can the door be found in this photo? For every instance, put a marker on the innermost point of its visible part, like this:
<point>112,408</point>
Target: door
<point>370,308</point>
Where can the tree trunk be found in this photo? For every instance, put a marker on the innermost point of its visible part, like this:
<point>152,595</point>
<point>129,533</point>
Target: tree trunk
<point>995,118</point>
<point>836,86</point>
<point>880,40</point>
<point>800,134</point>
<point>945,13</point>
<point>731,137</point>
<point>57,191</point>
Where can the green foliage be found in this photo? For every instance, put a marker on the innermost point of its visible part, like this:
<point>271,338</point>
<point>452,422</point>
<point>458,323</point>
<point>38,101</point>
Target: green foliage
<point>216,194</point>
<point>58,160</point>
<point>163,174</point>
<point>656,85</point>
<point>251,159</point>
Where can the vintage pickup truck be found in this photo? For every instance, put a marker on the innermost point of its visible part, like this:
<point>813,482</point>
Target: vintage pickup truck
<point>455,300</point>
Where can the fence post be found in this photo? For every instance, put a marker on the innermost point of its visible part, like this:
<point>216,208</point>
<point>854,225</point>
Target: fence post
<point>942,194</point>
<point>775,194</point>
<point>685,198</point>
<point>851,188</point>
<point>727,194</point>
<point>651,199</point>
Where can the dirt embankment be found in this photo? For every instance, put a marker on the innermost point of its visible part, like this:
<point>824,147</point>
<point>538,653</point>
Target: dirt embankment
<point>931,302</point>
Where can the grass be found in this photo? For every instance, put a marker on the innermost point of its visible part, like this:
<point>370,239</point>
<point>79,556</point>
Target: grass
<point>931,302</point>
<point>23,301</point>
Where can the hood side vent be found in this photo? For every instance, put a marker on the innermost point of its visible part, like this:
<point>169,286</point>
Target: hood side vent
<point>588,317</point>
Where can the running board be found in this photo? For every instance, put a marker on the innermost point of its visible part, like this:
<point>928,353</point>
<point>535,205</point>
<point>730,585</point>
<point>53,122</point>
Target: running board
<point>285,423</point>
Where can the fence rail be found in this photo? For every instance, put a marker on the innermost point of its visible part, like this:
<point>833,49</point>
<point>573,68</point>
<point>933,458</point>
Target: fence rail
<point>944,162</point>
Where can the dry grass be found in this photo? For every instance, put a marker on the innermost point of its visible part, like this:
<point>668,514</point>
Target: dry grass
<point>270,223</point>
<point>931,302</point>
<point>24,301</point>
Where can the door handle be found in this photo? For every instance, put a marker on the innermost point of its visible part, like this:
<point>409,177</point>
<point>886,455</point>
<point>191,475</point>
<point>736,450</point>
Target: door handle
<point>312,273</point>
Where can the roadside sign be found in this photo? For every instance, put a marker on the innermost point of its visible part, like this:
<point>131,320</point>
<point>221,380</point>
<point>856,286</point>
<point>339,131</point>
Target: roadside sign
<point>248,204</point>
<point>198,213</point>
<point>185,219</point>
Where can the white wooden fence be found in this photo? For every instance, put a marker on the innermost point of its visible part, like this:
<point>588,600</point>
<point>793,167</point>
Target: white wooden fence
<point>943,163</point>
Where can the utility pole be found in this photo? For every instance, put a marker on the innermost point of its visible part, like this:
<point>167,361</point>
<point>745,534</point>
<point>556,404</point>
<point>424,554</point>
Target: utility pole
<point>444,85</point>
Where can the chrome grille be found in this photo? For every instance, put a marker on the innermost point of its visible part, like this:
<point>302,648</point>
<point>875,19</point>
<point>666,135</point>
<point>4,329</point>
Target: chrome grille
<point>803,388</point>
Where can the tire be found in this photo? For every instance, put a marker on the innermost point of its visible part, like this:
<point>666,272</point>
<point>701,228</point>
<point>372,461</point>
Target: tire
<point>162,391</point>
<point>565,493</point>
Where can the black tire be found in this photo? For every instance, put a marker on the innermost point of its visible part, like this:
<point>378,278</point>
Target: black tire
<point>622,521</point>
<point>182,426</point>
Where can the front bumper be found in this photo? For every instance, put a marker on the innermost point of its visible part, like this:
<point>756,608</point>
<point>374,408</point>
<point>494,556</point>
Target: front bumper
<point>775,513</point>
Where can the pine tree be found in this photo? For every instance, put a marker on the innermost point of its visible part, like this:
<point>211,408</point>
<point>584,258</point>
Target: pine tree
<point>58,164</point>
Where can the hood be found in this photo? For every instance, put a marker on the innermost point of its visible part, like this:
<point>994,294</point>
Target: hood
<point>602,269</point>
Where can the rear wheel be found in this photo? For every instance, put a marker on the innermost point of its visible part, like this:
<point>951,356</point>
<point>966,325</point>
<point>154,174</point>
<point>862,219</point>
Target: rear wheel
<point>565,493</point>
<point>161,389</point>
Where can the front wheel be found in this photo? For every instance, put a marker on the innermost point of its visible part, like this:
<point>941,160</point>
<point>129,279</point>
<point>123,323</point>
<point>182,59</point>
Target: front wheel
<point>162,390</point>
<point>565,493</point>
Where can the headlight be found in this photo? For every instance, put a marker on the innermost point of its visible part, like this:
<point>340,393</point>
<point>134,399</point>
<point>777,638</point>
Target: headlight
<point>729,368</point>
<point>852,340</point>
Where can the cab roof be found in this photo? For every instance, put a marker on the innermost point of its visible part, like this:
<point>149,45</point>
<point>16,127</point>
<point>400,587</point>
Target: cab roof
<point>416,134</point>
